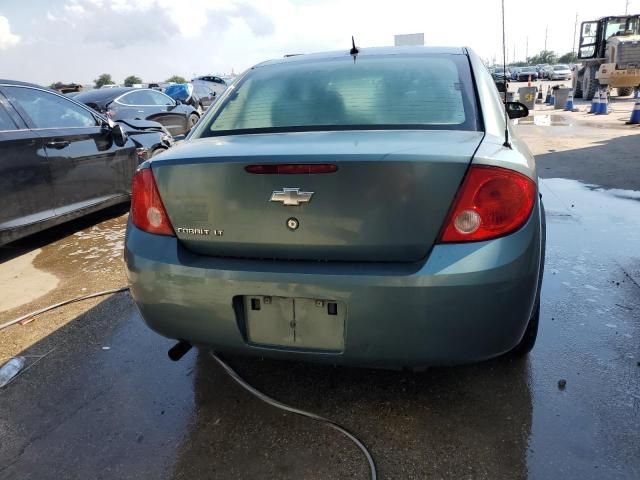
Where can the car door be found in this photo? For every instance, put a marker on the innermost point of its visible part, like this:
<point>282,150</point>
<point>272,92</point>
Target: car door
<point>207,96</point>
<point>86,166</point>
<point>147,104</point>
<point>25,178</point>
<point>172,114</point>
<point>218,85</point>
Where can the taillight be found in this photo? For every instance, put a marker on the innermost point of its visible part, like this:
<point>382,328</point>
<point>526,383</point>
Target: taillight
<point>492,202</point>
<point>147,210</point>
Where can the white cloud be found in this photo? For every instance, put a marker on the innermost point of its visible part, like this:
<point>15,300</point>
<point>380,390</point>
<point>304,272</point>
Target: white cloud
<point>155,39</point>
<point>7,39</point>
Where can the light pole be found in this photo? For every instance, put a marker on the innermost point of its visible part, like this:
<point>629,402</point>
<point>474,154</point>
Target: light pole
<point>575,30</point>
<point>546,34</point>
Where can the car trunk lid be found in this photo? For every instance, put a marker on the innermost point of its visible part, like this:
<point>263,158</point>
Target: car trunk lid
<point>387,201</point>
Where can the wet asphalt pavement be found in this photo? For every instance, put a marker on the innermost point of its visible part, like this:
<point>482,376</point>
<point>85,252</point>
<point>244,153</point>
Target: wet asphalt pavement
<point>99,398</point>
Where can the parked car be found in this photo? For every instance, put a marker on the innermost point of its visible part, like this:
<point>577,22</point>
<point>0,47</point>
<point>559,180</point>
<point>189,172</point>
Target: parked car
<point>217,84</point>
<point>525,73</point>
<point>206,95</point>
<point>197,94</point>
<point>142,104</point>
<point>183,93</point>
<point>500,74</point>
<point>60,160</point>
<point>541,70</point>
<point>151,138</point>
<point>363,212</point>
<point>514,72</point>
<point>560,72</point>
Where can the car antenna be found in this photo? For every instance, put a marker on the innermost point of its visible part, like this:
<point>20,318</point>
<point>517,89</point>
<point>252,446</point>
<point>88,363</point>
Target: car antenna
<point>504,77</point>
<point>354,50</point>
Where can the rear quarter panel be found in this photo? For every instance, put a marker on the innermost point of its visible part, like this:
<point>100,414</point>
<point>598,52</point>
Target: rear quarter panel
<point>492,150</point>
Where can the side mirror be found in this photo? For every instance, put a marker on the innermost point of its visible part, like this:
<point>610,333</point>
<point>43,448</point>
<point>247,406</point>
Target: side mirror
<point>516,110</point>
<point>178,102</point>
<point>118,134</point>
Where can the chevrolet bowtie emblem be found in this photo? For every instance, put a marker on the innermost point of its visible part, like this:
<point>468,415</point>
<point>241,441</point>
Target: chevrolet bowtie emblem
<point>291,196</point>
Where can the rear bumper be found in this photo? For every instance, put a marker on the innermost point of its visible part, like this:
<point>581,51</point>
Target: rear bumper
<point>465,303</point>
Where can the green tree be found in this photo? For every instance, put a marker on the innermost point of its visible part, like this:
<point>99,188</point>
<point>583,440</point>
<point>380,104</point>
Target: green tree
<point>545,56</point>
<point>568,58</point>
<point>104,79</point>
<point>176,79</point>
<point>131,80</point>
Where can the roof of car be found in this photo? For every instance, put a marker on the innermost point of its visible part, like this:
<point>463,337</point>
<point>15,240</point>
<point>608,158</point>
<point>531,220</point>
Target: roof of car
<point>23,84</point>
<point>369,51</point>
<point>103,94</point>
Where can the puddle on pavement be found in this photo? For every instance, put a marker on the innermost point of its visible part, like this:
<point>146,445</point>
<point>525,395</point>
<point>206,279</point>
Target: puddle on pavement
<point>94,250</point>
<point>574,120</point>
<point>180,412</point>
<point>544,121</point>
<point>589,333</point>
<point>605,227</point>
<point>611,217</point>
<point>21,282</point>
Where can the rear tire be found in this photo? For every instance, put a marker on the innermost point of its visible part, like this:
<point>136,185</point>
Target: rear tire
<point>193,119</point>
<point>625,91</point>
<point>589,83</point>
<point>530,334</point>
<point>578,88</point>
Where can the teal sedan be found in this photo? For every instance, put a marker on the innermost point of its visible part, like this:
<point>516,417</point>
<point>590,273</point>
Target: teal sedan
<point>367,208</point>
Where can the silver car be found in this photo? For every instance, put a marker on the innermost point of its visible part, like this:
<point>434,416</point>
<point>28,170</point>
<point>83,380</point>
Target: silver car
<point>560,72</point>
<point>354,208</point>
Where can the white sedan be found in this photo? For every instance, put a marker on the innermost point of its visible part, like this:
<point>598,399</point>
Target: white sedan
<point>560,72</point>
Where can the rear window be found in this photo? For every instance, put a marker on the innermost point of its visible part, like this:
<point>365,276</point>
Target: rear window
<point>561,67</point>
<point>375,92</point>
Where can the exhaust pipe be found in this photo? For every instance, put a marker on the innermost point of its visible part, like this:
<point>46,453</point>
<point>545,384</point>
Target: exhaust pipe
<point>179,350</point>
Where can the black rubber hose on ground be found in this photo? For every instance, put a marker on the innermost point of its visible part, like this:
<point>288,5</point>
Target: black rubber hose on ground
<point>231,372</point>
<point>373,475</point>
<point>61,304</point>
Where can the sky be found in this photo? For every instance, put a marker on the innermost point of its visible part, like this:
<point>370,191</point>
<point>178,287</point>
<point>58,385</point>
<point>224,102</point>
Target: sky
<point>44,41</point>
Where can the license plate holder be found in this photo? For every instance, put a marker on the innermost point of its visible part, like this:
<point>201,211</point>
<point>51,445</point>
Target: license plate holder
<point>304,323</point>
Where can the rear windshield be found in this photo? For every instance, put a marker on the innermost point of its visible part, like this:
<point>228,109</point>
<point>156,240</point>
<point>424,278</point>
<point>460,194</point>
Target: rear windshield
<point>561,67</point>
<point>372,92</point>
